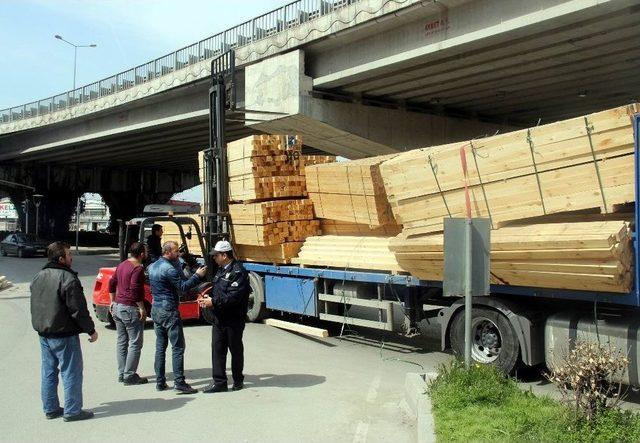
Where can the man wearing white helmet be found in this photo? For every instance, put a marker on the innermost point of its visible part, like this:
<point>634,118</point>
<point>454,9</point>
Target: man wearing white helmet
<point>229,301</point>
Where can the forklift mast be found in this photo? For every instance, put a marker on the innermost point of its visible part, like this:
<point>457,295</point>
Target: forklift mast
<point>221,98</point>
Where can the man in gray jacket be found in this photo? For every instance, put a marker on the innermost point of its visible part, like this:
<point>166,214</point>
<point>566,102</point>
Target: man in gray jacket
<point>59,314</point>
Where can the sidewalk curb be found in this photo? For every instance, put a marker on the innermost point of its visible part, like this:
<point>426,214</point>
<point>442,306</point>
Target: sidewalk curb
<point>419,404</point>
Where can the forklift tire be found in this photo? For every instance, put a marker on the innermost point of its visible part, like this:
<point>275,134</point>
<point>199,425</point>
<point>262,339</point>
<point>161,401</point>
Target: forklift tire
<point>493,340</point>
<point>257,309</point>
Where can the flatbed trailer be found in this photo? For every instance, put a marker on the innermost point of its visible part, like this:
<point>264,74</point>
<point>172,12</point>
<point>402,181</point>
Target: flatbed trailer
<point>512,325</point>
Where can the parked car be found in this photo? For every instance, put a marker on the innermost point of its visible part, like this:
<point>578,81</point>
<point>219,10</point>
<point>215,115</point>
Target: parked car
<point>23,245</point>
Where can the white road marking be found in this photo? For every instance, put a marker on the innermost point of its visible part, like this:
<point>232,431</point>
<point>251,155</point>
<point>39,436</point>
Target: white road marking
<point>373,389</point>
<point>361,432</point>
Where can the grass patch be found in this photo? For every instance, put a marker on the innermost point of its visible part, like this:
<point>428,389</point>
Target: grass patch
<point>482,405</point>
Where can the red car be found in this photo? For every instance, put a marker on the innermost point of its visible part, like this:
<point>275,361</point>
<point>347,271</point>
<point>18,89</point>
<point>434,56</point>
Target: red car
<point>189,308</point>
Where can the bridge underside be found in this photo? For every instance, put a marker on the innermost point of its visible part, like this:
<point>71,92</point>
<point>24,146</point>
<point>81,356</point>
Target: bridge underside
<point>435,72</point>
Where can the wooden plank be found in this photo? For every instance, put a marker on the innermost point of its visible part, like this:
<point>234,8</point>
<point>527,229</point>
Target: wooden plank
<point>356,321</point>
<point>296,327</point>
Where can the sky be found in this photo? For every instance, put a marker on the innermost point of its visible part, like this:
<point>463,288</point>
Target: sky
<point>127,33</point>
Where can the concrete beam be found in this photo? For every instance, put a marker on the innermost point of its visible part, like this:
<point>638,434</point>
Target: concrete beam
<point>351,130</point>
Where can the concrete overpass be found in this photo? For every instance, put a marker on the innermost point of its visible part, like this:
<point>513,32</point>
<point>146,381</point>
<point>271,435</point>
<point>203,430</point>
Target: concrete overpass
<point>354,78</point>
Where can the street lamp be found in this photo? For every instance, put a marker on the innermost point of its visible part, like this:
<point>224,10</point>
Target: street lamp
<point>37,199</point>
<point>75,54</point>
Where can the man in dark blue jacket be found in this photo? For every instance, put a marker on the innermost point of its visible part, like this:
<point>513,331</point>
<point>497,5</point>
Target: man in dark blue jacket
<point>167,280</point>
<point>229,301</point>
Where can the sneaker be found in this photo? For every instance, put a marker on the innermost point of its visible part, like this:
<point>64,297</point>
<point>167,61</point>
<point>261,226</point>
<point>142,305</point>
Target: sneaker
<point>184,388</point>
<point>55,414</point>
<point>237,386</point>
<point>135,379</point>
<point>120,378</point>
<point>162,386</point>
<point>82,415</point>
<point>213,388</point>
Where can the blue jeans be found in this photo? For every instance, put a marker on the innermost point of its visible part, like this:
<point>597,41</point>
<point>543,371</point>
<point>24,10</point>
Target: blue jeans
<point>64,356</point>
<point>168,327</point>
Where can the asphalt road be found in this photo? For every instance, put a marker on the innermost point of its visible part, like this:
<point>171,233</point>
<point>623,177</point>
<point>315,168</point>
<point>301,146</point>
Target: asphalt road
<point>297,389</point>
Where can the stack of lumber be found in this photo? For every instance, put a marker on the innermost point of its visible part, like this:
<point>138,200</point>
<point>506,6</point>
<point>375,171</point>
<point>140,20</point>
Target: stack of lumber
<point>350,191</point>
<point>585,162</point>
<point>281,254</point>
<point>594,256</point>
<point>171,232</point>
<point>269,213</point>
<point>338,227</point>
<point>4,283</point>
<point>352,252</point>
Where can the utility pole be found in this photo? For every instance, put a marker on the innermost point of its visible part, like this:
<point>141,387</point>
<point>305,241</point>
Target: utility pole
<point>77,222</point>
<point>37,199</point>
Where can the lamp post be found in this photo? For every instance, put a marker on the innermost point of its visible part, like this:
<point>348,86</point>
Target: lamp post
<point>75,55</point>
<point>37,199</point>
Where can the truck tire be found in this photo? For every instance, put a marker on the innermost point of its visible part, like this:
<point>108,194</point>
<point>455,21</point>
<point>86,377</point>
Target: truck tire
<point>256,309</point>
<point>494,341</point>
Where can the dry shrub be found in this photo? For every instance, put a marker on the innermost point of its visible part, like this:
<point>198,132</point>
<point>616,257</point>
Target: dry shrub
<point>587,377</point>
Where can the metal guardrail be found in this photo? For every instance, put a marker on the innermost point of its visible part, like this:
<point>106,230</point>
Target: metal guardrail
<point>264,26</point>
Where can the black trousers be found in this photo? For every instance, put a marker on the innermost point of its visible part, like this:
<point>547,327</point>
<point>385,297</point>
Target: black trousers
<point>227,338</point>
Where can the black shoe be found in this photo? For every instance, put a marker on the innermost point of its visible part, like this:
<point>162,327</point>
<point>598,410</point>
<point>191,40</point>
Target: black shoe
<point>162,386</point>
<point>120,378</point>
<point>212,388</point>
<point>55,414</point>
<point>184,388</point>
<point>237,386</point>
<point>135,379</point>
<point>83,415</point>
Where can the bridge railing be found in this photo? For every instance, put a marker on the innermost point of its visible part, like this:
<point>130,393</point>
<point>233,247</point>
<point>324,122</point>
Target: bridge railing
<point>264,26</point>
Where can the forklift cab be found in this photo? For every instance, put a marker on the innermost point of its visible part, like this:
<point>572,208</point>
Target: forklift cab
<point>138,229</point>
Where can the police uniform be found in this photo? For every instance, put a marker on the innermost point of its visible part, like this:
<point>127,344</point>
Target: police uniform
<point>230,298</point>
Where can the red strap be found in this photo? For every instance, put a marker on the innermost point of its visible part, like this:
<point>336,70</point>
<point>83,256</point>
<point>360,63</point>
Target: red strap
<point>463,160</point>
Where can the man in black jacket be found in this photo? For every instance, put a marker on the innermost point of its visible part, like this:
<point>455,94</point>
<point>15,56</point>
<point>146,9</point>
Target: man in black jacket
<point>59,314</point>
<point>229,301</point>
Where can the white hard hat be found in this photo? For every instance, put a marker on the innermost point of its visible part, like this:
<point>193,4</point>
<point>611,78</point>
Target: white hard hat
<point>222,246</point>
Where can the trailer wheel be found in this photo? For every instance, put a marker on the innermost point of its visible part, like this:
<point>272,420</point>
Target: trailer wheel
<point>256,309</point>
<point>494,341</point>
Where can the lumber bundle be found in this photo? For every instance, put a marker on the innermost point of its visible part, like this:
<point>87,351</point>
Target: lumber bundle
<point>593,256</point>
<point>262,169</point>
<point>4,283</point>
<point>350,191</point>
<point>280,254</point>
<point>272,211</point>
<point>352,252</point>
<point>274,233</point>
<point>171,232</point>
<point>580,163</point>
<point>338,227</point>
